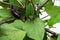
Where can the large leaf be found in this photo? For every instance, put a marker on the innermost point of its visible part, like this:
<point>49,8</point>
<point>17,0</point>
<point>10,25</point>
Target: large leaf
<point>29,10</point>
<point>51,9</point>
<point>54,19</point>
<point>54,12</point>
<point>35,29</point>
<point>12,33</point>
<point>5,13</point>
<point>4,38</point>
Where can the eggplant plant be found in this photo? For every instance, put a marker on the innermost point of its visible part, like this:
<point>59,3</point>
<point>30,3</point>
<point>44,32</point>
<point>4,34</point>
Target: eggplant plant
<point>19,20</point>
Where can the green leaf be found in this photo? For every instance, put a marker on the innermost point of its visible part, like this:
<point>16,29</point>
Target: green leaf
<point>54,19</point>
<point>58,37</point>
<point>5,13</point>
<point>51,22</point>
<point>51,9</point>
<point>4,38</point>
<point>29,10</point>
<point>8,27</point>
<point>54,12</point>
<point>35,29</point>
<point>12,33</point>
<point>18,24</point>
<point>18,35</point>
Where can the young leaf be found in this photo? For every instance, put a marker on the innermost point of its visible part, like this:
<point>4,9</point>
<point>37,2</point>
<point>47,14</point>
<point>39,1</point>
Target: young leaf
<point>29,10</point>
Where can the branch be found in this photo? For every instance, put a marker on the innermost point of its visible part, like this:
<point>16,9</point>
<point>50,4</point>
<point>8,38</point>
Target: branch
<point>43,4</point>
<point>40,6</point>
<point>7,20</point>
<point>10,4</point>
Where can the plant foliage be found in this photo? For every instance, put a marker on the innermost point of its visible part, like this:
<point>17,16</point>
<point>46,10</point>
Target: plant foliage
<point>28,26</point>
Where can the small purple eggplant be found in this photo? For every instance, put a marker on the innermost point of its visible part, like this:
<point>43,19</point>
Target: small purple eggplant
<point>15,12</point>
